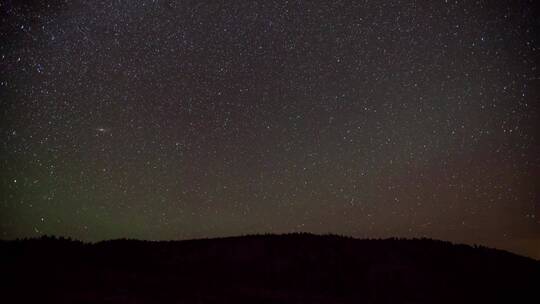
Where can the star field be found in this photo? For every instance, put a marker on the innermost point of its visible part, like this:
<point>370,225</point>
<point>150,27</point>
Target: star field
<point>172,120</point>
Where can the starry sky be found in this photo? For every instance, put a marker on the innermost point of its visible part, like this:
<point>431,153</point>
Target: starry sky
<point>185,119</point>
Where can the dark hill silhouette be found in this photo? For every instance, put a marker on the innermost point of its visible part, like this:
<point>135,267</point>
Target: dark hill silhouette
<point>294,268</point>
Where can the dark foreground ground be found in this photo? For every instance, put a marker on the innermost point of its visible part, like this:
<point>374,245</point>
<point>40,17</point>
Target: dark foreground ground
<point>297,268</point>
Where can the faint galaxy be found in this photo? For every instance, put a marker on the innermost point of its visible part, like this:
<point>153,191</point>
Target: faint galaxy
<point>187,119</point>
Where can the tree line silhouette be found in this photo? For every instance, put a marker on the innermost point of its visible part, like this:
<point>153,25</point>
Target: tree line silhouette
<point>290,268</point>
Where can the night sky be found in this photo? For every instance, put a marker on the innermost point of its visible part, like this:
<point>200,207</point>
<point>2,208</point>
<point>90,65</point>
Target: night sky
<point>186,119</point>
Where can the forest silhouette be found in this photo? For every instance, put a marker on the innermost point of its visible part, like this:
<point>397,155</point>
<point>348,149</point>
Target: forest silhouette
<point>291,268</point>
